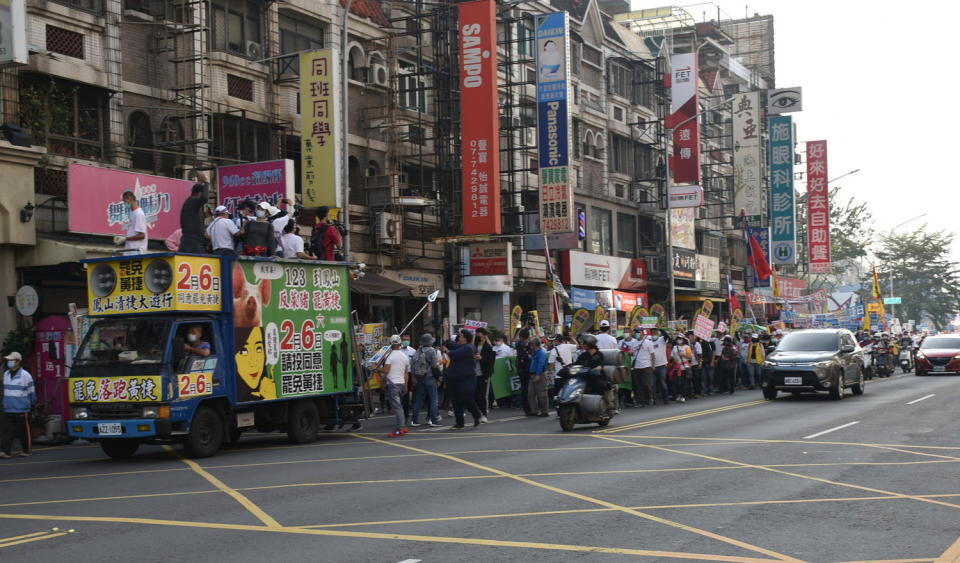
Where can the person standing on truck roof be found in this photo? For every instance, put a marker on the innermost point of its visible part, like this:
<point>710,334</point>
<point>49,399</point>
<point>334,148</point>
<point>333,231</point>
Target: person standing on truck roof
<point>191,217</point>
<point>258,237</point>
<point>222,232</point>
<point>19,397</point>
<point>396,368</point>
<point>326,237</point>
<point>292,243</point>
<point>136,240</point>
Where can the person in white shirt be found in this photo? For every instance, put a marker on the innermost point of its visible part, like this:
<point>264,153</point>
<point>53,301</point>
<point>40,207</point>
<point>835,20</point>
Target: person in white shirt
<point>605,340</point>
<point>136,240</point>
<point>222,232</point>
<point>293,242</point>
<point>644,357</point>
<point>658,339</point>
<point>396,367</point>
<point>503,349</point>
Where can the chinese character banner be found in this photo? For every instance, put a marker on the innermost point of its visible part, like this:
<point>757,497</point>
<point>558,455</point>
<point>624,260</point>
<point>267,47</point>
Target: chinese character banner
<point>783,221</point>
<point>319,127</point>
<point>818,207</point>
<point>684,105</point>
<point>746,157</point>
<point>553,146</point>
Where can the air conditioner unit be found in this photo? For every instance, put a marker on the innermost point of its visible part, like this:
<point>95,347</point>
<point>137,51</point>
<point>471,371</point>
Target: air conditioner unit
<point>254,50</point>
<point>530,137</point>
<point>379,75</point>
<point>388,229</point>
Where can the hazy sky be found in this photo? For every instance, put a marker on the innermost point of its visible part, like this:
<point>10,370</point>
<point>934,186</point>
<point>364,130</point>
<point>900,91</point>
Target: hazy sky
<point>876,81</point>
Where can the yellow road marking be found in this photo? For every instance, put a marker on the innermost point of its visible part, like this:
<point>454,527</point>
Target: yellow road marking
<point>951,555</point>
<point>788,473</point>
<point>46,536</point>
<point>892,561</point>
<point>401,537</point>
<point>596,501</point>
<point>244,501</point>
<point>5,540</point>
<point>759,441</point>
<point>686,416</point>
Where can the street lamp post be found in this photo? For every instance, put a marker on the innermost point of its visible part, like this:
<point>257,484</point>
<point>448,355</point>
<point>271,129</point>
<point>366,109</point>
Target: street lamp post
<point>893,306</point>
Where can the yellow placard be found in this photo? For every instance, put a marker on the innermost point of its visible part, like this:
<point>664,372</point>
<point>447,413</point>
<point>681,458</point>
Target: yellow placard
<point>319,122</point>
<point>194,384</point>
<point>150,285</point>
<point>133,389</point>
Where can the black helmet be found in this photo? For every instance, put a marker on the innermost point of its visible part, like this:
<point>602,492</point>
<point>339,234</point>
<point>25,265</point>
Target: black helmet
<point>589,340</point>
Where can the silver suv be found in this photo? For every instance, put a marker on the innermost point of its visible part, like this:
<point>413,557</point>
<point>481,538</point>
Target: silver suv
<point>814,360</point>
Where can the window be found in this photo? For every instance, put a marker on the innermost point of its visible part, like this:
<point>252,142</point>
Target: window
<point>619,190</point>
<point>64,42</point>
<point>626,235</point>
<point>299,34</point>
<point>621,155</point>
<point>618,113</point>
<point>709,245</point>
<point>412,91</point>
<point>67,117</point>
<point>528,113</point>
<point>235,138</point>
<point>576,50</point>
<point>601,231</point>
<point>577,151</point>
<point>620,81</point>
<point>236,27</point>
<point>525,36</point>
<point>93,6</point>
<point>592,55</point>
<point>140,136</point>
<point>239,87</point>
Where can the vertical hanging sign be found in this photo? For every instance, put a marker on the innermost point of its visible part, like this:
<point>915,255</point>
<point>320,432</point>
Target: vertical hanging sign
<point>480,130</point>
<point>684,105</point>
<point>783,220</point>
<point>746,157</point>
<point>319,128</point>
<point>553,125</point>
<point>818,207</point>
<point>13,33</point>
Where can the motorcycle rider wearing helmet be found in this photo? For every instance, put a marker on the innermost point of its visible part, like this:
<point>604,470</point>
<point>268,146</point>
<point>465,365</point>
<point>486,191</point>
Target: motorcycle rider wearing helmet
<point>596,380</point>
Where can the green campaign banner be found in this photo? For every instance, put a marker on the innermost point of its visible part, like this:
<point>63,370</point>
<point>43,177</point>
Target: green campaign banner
<point>505,380</point>
<point>292,331</point>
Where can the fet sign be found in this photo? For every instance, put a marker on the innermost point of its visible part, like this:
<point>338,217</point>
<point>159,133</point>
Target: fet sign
<point>490,259</point>
<point>260,181</point>
<point>686,196</point>
<point>95,205</point>
<point>480,132</point>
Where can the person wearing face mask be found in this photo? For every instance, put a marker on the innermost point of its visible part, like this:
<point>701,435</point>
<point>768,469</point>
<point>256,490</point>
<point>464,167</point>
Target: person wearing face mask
<point>258,236</point>
<point>19,396</point>
<point>135,242</point>
<point>195,345</point>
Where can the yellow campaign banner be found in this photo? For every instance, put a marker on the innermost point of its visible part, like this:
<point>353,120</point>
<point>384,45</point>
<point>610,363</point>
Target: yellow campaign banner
<point>133,389</point>
<point>580,319</point>
<point>196,384</point>
<point>154,285</point>
<point>516,315</point>
<point>599,314</point>
<point>633,319</point>
<point>319,128</point>
<point>707,308</point>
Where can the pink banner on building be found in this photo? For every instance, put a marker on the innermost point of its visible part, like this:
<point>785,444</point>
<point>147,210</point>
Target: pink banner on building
<point>818,207</point>
<point>96,206</point>
<point>684,105</point>
<point>260,181</point>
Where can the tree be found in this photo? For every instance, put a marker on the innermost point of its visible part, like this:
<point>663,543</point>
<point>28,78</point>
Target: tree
<point>924,276</point>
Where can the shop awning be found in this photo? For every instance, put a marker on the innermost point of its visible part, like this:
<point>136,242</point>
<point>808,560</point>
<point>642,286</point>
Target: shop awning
<point>375,284</point>
<point>50,252</point>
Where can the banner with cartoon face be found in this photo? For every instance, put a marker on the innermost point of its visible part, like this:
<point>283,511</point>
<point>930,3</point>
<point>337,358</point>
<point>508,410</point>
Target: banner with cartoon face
<point>292,329</point>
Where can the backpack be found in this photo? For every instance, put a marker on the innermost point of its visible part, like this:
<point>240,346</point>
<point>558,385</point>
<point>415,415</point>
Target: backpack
<point>420,363</point>
<point>316,242</point>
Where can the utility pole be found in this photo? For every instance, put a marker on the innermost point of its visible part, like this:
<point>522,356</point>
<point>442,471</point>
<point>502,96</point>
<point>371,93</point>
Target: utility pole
<point>345,134</point>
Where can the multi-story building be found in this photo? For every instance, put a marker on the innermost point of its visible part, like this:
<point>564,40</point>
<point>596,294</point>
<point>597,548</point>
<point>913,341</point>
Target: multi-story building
<point>168,86</point>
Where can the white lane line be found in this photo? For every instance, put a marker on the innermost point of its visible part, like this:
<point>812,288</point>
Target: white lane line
<point>834,429</point>
<point>411,561</point>
<point>921,399</point>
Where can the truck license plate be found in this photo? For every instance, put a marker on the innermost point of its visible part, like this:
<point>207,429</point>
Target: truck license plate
<point>110,429</point>
<point>793,381</point>
<point>939,368</point>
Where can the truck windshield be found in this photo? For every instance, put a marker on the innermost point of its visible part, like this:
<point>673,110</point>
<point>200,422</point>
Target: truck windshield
<point>809,342</point>
<point>125,341</point>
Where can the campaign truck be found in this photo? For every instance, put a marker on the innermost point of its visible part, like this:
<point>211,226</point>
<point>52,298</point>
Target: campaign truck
<point>197,349</point>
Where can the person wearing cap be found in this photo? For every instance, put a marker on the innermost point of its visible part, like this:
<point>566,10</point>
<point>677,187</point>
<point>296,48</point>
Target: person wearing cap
<point>326,238</point>
<point>191,216</point>
<point>19,396</point>
<point>396,368</point>
<point>605,340</point>
<point>754,359</point>
<point>222,232</point>
<point>280,219</point>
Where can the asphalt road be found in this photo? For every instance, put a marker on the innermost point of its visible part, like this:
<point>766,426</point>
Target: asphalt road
<point>725,478</point>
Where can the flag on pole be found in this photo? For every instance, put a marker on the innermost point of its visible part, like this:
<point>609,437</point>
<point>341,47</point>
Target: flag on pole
<point>732,296</point>
<point>758,258</point>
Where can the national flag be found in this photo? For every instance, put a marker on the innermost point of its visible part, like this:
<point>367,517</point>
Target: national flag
<point>758,258</point>
<point>732,297</point>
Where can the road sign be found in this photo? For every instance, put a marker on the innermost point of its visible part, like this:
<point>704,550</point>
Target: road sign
<point>892,301</point>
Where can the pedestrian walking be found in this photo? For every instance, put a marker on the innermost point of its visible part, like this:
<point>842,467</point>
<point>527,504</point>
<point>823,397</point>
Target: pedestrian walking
<point>425,368</point>
<point>605,340</point>
<point>755,358</point>
<point>537,393</point>
<point>727,364</point>
<point>19,396</point>
<point>658,338</point>
<point>681,355</point>
<point>644,357</point>
<point>696,382</point>
<point>487,357</point>
<point>191,217</point>
<point>522,346</point>
<point>396,368</point>
<point>461,378</point>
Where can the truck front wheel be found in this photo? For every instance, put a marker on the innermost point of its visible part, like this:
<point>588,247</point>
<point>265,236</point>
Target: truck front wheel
<point>119,448</point>
<point>303,421</point>
<point>206,433</point>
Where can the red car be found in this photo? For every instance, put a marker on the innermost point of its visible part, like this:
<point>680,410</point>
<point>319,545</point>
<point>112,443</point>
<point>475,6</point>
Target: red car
<point>939,354</point>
